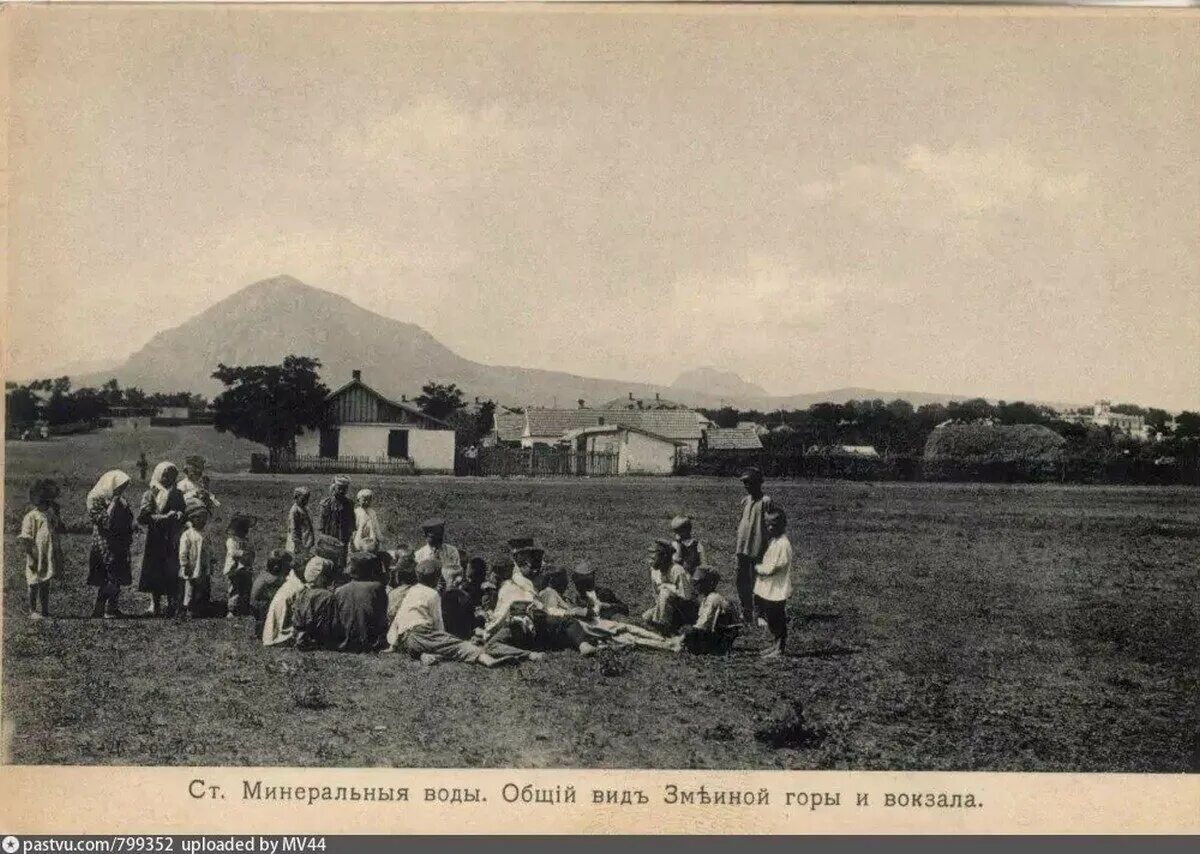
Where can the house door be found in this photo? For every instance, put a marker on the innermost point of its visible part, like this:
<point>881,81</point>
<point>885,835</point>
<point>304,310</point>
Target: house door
<point>329,443</point>
<point>398,444</point>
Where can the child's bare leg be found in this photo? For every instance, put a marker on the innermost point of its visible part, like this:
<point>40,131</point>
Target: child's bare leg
<point>33,598</point>
<point>44,597</point>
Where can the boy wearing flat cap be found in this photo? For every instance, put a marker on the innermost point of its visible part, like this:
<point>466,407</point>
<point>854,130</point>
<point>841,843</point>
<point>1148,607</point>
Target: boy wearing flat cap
<point>689,552</point>
<point>675,602</point>
<point>436,547</point>
<point>525,556</point>
<point>600,601</point>
<point>601,607</point>
<point>751,537</point>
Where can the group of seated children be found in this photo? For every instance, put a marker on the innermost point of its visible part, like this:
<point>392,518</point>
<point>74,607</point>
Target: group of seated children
<point>435,605</point>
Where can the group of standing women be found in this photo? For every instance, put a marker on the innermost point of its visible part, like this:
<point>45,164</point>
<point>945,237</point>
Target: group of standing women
<point>161,513</point>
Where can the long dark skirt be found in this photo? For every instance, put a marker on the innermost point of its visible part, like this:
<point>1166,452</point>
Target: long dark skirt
<point>160,560</point>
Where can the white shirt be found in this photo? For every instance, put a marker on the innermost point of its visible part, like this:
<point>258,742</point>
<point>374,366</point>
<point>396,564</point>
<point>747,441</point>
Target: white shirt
<point>422,607</point>
<point>773,576</point>
<point>510,593</point>
<point>445,554</point>
<point>522,581</point>
<point>195,560</point>
<point>368,531</point>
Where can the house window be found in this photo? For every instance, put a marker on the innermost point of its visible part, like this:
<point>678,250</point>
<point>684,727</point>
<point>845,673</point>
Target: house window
<point>398,444</point>
<point>329,443</point>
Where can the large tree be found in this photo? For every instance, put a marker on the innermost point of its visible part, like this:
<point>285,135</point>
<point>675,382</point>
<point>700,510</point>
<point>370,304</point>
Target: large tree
<point>271,404</point>
<point>440,401</point>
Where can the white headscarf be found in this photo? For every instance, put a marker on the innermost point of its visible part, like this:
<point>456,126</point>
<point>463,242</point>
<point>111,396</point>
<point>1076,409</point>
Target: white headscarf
<point>161,491</point>
<point>106,486</point>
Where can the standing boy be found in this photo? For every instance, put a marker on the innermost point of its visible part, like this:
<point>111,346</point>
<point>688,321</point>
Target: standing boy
<point>773,582</point>
<point>751,537</point>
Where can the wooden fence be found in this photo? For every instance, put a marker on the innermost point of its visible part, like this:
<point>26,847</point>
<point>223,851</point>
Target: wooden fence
<point>263,463</point>
<point>539,462</point>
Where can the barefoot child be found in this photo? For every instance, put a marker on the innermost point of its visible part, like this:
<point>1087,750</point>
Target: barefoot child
<point>196,559</point>
<point>41,537</point>
<point>239,566</point>
<point>773,581</point>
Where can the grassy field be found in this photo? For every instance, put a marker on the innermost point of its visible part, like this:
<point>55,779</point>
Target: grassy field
<point>933,627</point>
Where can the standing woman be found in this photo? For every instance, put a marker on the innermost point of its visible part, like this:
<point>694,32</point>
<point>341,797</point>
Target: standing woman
<point>161,511</point>
<point>112,537</point>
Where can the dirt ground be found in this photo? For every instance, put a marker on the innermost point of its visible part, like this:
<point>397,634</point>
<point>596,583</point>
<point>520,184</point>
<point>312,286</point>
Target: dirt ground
<point>933,627</point>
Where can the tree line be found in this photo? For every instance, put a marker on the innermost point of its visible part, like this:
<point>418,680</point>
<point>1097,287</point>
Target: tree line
<point>56,402</point>
<point>896,428</point>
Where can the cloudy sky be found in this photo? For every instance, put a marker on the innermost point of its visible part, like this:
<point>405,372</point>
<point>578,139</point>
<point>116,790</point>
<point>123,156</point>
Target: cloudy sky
<point>997,204</point>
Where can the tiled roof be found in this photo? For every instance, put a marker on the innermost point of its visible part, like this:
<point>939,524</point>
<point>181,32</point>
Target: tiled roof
<point>614,428</point>
<point>733,439</point>
<point>510,426</point>
<point>674,424</point>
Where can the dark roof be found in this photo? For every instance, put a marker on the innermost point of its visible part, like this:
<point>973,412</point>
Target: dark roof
<point>406,407</point>
<point>733,439</point>
<point>673,424</point>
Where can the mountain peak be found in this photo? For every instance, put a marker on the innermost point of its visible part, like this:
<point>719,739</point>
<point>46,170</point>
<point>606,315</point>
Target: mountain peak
<point>717,382</point>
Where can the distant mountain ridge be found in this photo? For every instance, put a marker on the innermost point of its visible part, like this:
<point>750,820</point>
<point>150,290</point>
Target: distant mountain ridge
<point>270,319</point>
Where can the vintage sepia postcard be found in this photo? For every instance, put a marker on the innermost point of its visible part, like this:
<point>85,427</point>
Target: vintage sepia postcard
<point>614,418</point>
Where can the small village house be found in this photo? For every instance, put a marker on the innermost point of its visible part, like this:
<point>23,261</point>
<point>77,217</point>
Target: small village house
<point>636,451</point>
<point>549,426</point>
<point>1102,415</point>
<point>130,418</point>
<point>743,437</point>
<point>363,425</point>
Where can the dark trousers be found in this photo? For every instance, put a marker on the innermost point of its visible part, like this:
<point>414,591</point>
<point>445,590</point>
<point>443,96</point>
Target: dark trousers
<point>745,586</point>
<point>562,633</point>
<point>775,613</point>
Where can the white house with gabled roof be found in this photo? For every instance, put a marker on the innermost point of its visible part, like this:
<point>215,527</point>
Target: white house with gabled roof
<point>361,424</point>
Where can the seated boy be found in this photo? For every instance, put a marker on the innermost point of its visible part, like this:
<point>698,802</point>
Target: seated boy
<point>559,620</point>
<point>313,615</point>
<point>360,606</point>
<point>265,585</point>
<point>401,576</point>
<point>528,559</point>
<point>688,551</point>
<point>418,629</point>
<point>601,604</point>
<point>458,609</point>
<point>600,601</point>
<point>511,620</point>
<point>278,622</point>
<point>675,602</point>
<point>716,625</point>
